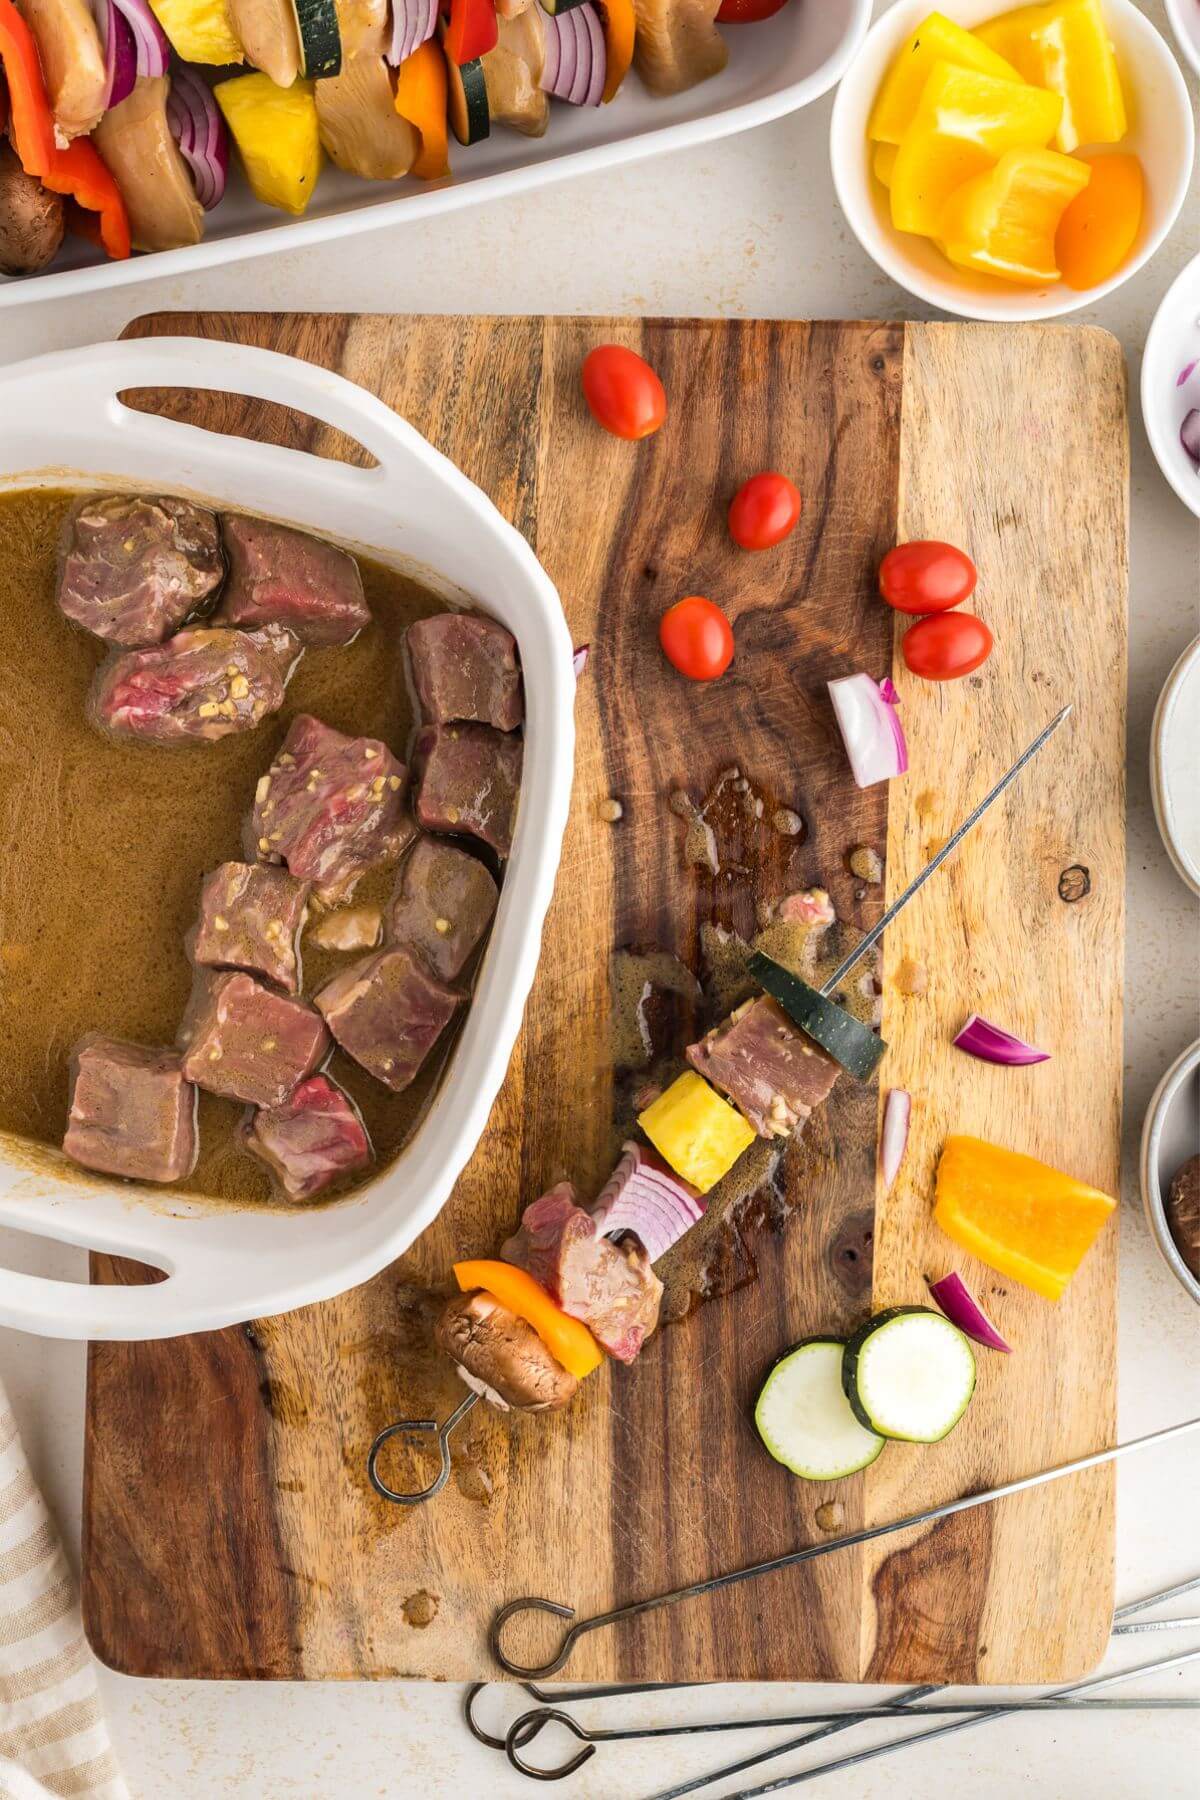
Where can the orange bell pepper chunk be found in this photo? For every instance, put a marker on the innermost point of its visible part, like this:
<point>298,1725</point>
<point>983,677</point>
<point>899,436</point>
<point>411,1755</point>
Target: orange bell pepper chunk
<point>1099,227</point>
<point>566,1338</point>
<point>421,99</point>
<point>620,25</point>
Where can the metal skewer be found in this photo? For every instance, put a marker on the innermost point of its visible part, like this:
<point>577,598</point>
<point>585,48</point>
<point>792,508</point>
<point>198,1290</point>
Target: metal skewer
<point>621,1615</point>
<point>414,1427</point>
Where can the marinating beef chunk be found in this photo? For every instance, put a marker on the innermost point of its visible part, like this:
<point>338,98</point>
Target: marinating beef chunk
<point>465,667</point>
<point>610,1287</point>
<point>246,1042</point>
<point>278,576</point>
<point>769,1068</point>
<point>133,568</point>
<point>132,1112</point>
<point>204,683</point>
<point>500,1356</point>
<point>330,807</point>
<point>442,904</point>
<point>387,1013</point>
<point>314,1139</point>
<point>469,781</point>
<point>250,916</point>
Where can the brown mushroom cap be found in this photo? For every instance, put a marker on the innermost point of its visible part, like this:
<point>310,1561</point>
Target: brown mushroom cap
<point>31,219</point>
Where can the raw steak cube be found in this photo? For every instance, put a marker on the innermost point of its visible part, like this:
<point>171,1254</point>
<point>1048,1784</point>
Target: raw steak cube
<point>203,683</point>
<point>610,1287</point>
<point>387,1013</point>
<point>314,1139</point>
<point>330,807</point>
<point>133,568</point>
<point>442,904</point>
<point>278,576</point>
<point>465,667</point>
<point>769,1068</point>
<point>132,1112</point>
<point>469,781</point>
<point>250,917</point>
<point>246,1042</point>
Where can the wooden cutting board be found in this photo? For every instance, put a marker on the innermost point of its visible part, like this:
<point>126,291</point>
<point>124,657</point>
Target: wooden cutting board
<point>229,1529</point>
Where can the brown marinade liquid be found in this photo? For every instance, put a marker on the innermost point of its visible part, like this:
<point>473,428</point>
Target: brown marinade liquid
<point>105,844</point>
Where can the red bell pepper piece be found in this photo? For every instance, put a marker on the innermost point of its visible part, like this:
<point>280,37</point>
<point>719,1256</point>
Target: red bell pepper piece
<point>79,173</point>
<point>32,121</point>
<point>472,30</point>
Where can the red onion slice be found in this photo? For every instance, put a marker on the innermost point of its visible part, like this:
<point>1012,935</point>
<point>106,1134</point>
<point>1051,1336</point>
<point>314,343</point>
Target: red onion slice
<point>199,130</point>
<point>1186,372</point>
<point>991,1043</point>
<point>579,660</point>
<point>413,22</point>
<point>643,1195</point>
<point>576,62</point>
<point>153,50</point>
<point>1189,435</point>
<point>120,51</point>
<point>595,30</point>
<point>893,1136</point>
<point>871,731</point>
<point>962,1309</point>
<point>583,57</point>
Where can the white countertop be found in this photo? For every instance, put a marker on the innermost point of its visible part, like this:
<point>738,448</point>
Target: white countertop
<point>749,226</point>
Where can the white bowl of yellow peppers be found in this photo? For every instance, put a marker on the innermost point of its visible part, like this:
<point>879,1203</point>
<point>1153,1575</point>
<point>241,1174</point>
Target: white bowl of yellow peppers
<point>1012,164</point>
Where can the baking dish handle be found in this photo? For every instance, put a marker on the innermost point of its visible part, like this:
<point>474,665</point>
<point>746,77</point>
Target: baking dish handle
<point>180,1303</point>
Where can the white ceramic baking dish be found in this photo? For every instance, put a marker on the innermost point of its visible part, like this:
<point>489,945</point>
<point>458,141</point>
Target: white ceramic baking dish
<point>775,67</point>
<point>62,424</point>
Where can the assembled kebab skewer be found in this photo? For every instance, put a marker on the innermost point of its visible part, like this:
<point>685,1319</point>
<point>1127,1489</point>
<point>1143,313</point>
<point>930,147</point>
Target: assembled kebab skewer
<point>411,1428</point>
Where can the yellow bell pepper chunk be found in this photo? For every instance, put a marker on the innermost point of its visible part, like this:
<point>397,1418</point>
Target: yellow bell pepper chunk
<point>700,1134</point>
<point>1003,223</point>
<point>963,124</point>
<point>275,130</point>
<point>1016,1214</point>
<point>936,39</point>
<point>1065,46</point>
<point>883,161</point>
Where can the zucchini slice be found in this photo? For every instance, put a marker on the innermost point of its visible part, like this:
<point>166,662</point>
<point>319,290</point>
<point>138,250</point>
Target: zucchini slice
<point>466,99</point>
<point>909,1373</point>
<point>804,1418</point>
<point>838,1032</point>
<point>554,7</point>
<point>320,38</point>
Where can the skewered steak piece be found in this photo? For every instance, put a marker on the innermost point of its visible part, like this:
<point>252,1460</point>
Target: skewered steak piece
<point>133,568</point>
<point>132,1111</point>
<point>610,1287</point>
<point>250,917</point>
<point>769,1068</point>
<point>203,683</point>
<point>387,1013</point>
<point>312,1140</point>
<point>279,576</point>
<point>468,782</point>
<point>464,666</point>
<point>245,1042</point>
<point>442,904</point>
<point>500,1356</point>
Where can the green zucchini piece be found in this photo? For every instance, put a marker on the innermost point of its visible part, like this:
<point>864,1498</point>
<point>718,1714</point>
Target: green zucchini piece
<point>804,1418</point>
<point>466,98</point>
<point>909,1373</point>
<point>554,7</point>
<point>320,38</point>
<point>838,1032</point>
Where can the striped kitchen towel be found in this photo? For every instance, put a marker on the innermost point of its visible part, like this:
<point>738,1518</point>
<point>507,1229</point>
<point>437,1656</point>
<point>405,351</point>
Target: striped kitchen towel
<point>53,1738</point>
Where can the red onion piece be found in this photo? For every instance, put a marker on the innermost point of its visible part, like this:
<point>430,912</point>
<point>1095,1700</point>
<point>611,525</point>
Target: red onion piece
<point>583,58</point>
<point>413,23</point>
<point>579,660</point>
<point>153,50</point>
<point>120,51</point>
<point>199,130</point>
<point>548,80</point>
<point>643,1195</point>
<point>871,731</point>
<point>595,30</point>
<point>991,1043</point>
<point>1189,435</point>
<point>576,61</point>
<point>1185,372</point>
<point>962,1309</point>
<point>893,1136</point>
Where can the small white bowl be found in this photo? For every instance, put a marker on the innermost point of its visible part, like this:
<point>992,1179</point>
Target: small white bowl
<point>1161,133</point>
<point>1185,23</point>
<point>1172,344</point>
<point>1171,1134</point>
<point>1174,762</point>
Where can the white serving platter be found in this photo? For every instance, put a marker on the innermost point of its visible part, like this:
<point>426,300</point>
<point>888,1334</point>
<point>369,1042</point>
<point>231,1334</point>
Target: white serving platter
<point>63,425</point>
<point>774,68</point>
<point>1170,383</point>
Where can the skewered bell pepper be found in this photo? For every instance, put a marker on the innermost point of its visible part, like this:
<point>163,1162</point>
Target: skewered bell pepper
<point>421,99</point>
<point>566,1338</point>
<point>473,30</point>
<point>697,1131</point>
<point>936,39</point>
<point>1016,1214</point>
<point>1004,222</point>
<point>620,27</point>
<point>1065,46</point>
<point>963,124</point>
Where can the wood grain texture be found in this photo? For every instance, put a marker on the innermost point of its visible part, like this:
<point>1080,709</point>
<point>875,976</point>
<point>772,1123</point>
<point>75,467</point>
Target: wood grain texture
<point>229,1529</point>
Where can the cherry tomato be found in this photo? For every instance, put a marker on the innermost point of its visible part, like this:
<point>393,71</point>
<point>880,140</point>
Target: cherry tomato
<point>926,577</point>
<point>697,638</point>
<point>946,645</point>
<point>1096,232</point>
<point>747,12</point>
<point>623,392</point>
<point>763,511</point>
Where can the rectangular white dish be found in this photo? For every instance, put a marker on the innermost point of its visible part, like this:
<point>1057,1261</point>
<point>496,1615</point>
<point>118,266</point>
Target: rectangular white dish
<point>774,68</point>
<point>62,425</point>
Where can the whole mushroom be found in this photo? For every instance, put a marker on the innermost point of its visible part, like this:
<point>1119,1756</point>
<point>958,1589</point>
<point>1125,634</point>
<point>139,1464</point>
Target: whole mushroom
<point>31,219</point>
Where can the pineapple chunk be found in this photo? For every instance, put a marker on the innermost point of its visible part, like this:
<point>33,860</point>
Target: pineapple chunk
<point>276,132</point>
<point>700,1134</point>
<point>200,31</point>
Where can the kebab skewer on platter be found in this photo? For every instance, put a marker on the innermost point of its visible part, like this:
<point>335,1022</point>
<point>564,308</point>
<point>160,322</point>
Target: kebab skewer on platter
<point>576,1283</point>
